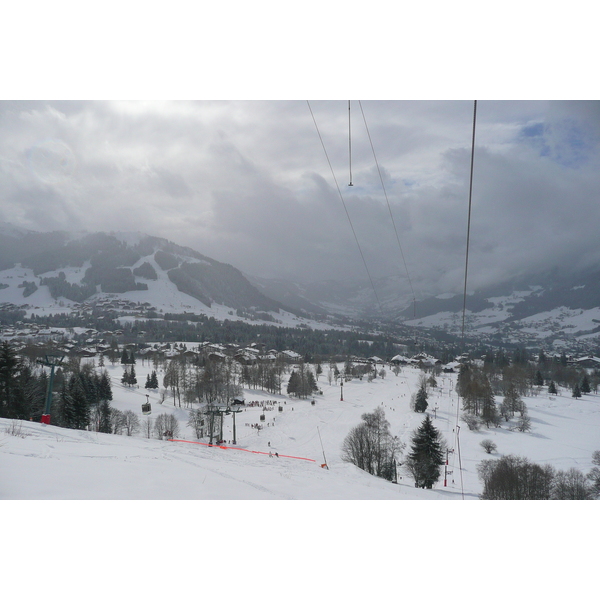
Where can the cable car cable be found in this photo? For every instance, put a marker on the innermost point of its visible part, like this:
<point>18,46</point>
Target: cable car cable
<point>468,225</point>
<point>345,208</point>
<point>389,209</point>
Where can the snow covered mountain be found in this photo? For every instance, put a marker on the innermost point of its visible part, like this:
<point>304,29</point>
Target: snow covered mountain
<point>53,272</point>
<point>57,272</point>
<point>551,308</point>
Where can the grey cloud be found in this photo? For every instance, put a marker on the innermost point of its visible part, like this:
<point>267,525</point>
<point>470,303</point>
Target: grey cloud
<point>249,183</point>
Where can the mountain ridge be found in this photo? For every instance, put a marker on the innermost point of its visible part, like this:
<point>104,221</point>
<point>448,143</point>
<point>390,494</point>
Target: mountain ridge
<point>80,267</point>
<point>57,270</point>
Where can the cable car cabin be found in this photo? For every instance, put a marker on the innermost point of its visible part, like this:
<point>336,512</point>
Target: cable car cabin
<point>146,408</point>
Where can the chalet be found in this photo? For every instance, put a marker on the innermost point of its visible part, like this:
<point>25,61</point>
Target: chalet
<point>375,360</point>
<point>290,356</point>
<point>588,362</point>
<point>217,356</point>
<point>425,360</point>
<point>245,358</point>
<point>400,359</point>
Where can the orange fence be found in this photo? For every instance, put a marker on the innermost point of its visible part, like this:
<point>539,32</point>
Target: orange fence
<point>242,449</point>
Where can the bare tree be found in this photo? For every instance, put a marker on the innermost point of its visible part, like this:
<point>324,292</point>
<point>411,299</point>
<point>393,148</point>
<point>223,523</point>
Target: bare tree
<point>131,422</point>
<point>488,446</point>
<point>196,422</point>
<point>117,421</point>
<point>515,478</point>
<point>166,426</point>
<point>148,427</point>
<point>473,422</point>
<point>571,485</point>
<point>594,474</point>
<point>371,447</point>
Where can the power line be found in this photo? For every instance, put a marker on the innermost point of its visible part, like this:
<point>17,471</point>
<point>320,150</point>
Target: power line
<point>389,209</point>
<point>345,209</point>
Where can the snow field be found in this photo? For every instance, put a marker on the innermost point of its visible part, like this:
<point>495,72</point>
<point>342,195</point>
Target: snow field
<point>54,463</point>
<point>155,549</point>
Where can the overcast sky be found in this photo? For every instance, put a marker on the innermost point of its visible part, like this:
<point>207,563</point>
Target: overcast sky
<point>248,182</point>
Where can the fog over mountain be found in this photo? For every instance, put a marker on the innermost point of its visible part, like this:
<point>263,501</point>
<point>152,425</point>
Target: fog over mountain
<point>249,183</point>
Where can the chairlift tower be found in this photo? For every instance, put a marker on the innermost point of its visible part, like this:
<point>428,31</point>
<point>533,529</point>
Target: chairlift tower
<point>219,410</point>
<point>235,412</point>
<point>51,361</point>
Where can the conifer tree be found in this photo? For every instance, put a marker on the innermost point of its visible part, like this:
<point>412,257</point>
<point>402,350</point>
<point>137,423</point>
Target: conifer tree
<point>104,424</point>
<point>576,391</point>
<point>132,376</point>
<point>293,385</point>
<point>552,388</point>
<point>125,357</point>
<point>585,385</point>
<point>421,403</point>
<point>426,455</point>
<point>9,368</point>
<point>104,387</point>
<point>80,403</point>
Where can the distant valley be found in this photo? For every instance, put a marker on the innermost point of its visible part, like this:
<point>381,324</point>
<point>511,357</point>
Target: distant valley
<point>59,272</point>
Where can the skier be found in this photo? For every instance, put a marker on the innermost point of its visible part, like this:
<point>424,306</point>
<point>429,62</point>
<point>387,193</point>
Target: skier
<point>276,454</point>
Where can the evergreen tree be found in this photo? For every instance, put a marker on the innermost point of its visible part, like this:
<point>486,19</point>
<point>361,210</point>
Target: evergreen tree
<point>125,357</point>
<point>9,370</point>
<point>539,380</point>
<point>81,411</point>
<point>132,376</point>
<point>576,391</point>
<point>152,381</point>
<point>293,385</point>
<point>552,388</point>
<point>65,411</point>
<point>421,403</point>
<point>585,385</point>
<point>104,424</point>
<point>426,455</point>
<point>105,387</point>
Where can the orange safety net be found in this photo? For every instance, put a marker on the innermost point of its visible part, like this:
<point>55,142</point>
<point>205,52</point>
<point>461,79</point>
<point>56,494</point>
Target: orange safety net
<point>242,449</point>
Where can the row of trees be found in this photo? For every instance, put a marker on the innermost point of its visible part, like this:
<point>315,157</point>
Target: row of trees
<point>479,403</point>
<point>516,478</point>
<point>528,372</point>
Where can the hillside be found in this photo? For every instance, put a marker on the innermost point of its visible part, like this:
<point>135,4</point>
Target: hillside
<point>57,272</point>
<point>47,462</point>
<point>552,309</point>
